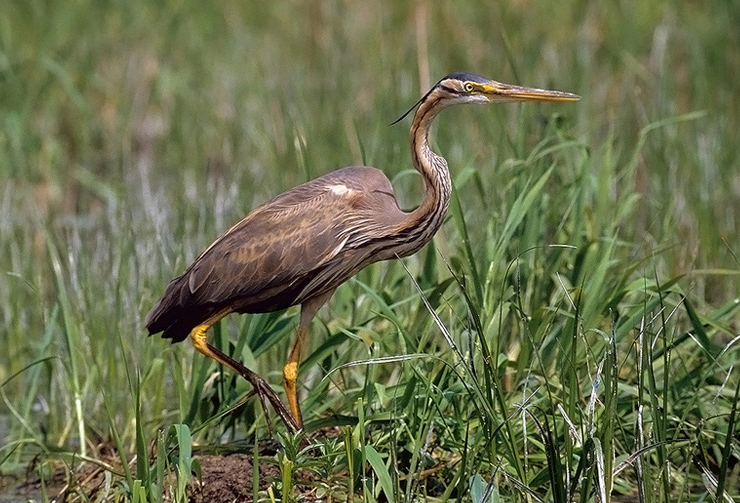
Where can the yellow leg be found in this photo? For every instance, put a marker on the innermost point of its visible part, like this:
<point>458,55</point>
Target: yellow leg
<point>263,390</point>
<point>290,375</point>
<point>290,371</point>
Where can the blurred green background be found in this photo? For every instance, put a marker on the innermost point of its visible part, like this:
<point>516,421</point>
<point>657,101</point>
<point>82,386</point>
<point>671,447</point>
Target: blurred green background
<point>113,104</point>
<point>133,133</point>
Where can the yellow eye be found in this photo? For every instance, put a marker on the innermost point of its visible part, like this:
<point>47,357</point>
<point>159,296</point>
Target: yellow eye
<point>468,87</point>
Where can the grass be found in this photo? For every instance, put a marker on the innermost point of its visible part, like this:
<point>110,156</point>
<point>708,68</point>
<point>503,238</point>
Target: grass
<point>571,335</point>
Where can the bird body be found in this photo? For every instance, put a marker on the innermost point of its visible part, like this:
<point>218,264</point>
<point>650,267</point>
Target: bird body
<point>300,246</point>
<point>294,247</point>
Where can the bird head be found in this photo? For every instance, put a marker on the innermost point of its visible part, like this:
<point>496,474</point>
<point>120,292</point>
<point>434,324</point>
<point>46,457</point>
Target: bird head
<point>463,87</point>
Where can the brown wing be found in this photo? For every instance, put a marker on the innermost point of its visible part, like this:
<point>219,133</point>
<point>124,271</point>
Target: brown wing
<point>304,242</point>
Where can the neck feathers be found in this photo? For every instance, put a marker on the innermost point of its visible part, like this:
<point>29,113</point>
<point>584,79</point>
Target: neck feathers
<point>424,222</point>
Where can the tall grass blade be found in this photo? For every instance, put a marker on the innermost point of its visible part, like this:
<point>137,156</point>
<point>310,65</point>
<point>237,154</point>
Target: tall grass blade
<point>73,338</point>
<point>384,476</point>
<point>457,213</point>
<point>727,448</point>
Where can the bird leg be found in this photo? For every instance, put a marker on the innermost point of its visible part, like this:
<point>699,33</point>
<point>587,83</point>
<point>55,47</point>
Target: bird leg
<point>290,374</point>
<point>263,390</point>
<point>290,371</point>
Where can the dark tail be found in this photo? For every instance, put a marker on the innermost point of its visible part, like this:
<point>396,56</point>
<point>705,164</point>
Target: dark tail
<point>174,318</point>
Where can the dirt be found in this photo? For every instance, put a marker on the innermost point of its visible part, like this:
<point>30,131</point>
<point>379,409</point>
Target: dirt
<point>223,478</point>
<point>229,478</point>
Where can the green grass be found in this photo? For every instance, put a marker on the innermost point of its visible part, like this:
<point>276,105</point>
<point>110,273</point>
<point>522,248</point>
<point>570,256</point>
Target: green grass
<point>571,335</point>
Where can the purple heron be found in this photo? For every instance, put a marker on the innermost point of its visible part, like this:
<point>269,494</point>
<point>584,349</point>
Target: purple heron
<point>299,247</point>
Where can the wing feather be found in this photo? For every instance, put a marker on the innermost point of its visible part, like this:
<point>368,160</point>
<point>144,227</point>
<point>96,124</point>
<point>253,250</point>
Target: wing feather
<point>282,253</point>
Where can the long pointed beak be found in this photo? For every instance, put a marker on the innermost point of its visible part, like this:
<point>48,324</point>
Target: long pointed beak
<point>498,92</point>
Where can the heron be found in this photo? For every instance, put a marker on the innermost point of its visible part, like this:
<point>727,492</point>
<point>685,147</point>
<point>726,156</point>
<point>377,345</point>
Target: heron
<point>297,248</point>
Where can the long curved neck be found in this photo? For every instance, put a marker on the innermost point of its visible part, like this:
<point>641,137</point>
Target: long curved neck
<point>424,221</point>
<point>433,167</point>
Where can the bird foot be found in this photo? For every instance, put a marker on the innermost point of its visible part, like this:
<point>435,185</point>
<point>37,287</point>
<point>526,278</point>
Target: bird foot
<point>261,388</point>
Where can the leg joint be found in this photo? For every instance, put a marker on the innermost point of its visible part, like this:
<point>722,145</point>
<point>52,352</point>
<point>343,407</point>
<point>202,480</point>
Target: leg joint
<point>290,372</point>
<point>200,341</point>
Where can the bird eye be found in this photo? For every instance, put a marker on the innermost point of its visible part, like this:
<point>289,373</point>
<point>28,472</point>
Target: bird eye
<point>468,87</point>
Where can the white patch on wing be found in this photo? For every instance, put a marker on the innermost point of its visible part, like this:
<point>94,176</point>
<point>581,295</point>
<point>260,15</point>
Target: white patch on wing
<point>340,189</point>
<point>339,248</point>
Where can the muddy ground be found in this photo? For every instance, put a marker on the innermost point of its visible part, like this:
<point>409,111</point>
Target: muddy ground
<point>223,478</point>
<point>229,478</point>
